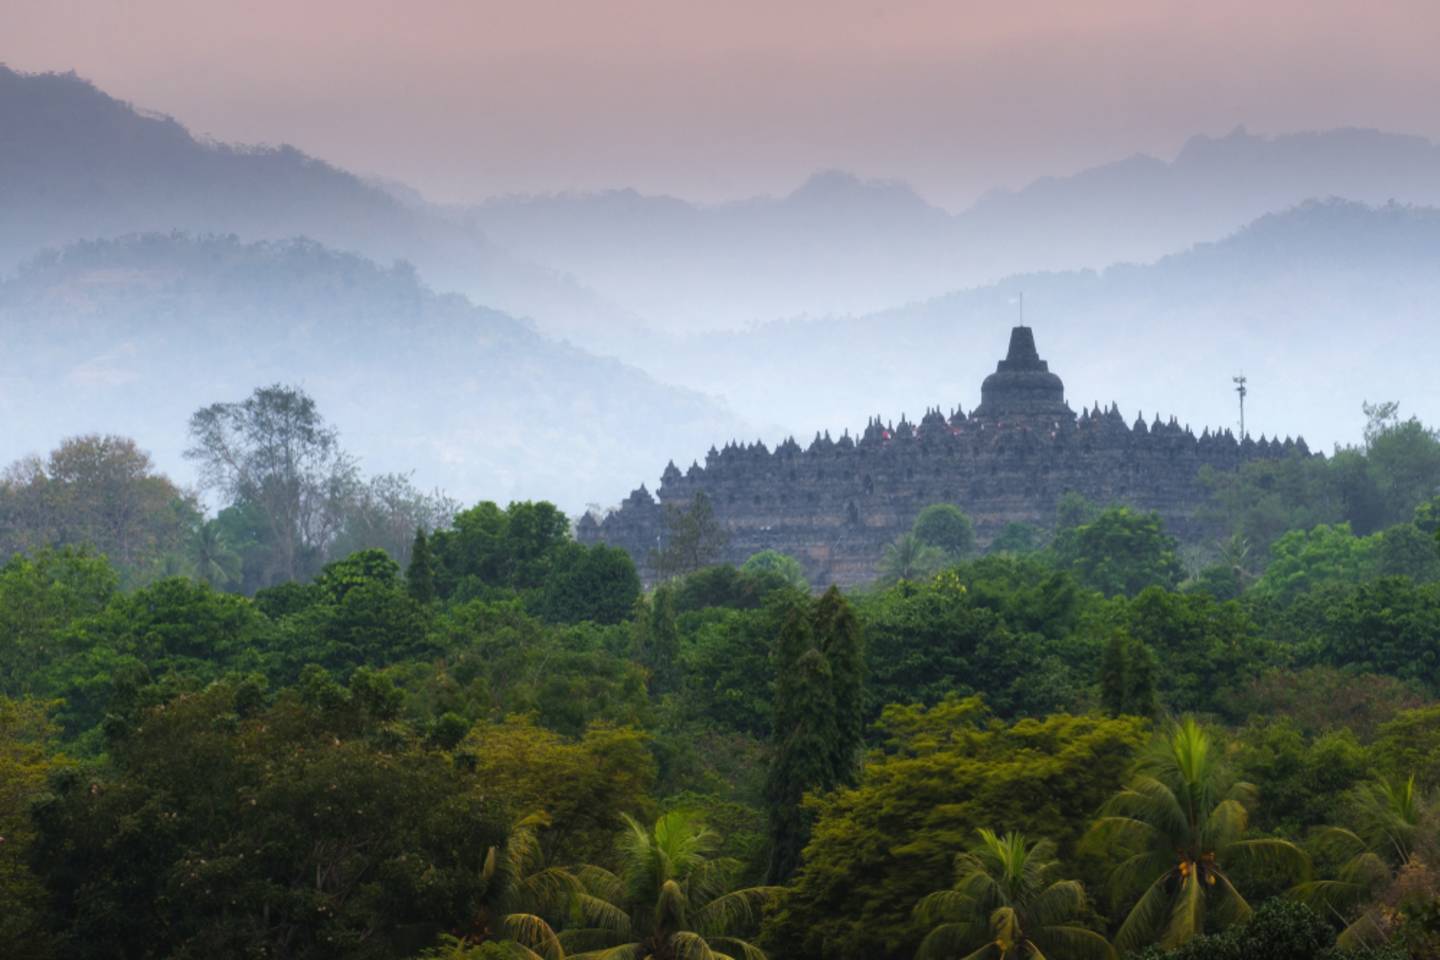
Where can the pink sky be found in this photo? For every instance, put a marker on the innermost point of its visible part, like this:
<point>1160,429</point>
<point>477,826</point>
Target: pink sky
<point>713,100</point>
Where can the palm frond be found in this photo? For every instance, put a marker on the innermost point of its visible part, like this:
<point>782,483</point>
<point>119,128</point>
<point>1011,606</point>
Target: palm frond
<point>1143,921</point>
<point>1230,907</point>
<point>1156,803</point>
<point>1337,843</point>
<point>1334,894</point>
<point>1126,833</point>
<point>949,939</point>
<point>1139,871</point>
<point>739,909</point>
<point>626,951</point>
<point>1363,931</point>
<point>1061,901</point>
<point>534,934</point>
<point>1187,913</point>
<point>744,949</point>
<point>1226,823</point>
<point>1271,852</point>
<point>1005,926</point>
<point>1068,940</point>
<point>601,914</point>
<point>944,905</point>
<point>549,889</point>
<point>600,882</point>
<point>686,945</point>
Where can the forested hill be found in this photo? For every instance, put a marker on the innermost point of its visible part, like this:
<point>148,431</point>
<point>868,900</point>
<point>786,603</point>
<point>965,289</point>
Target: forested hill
<point>131,336</point>
<point>1323,306</point>
<point>77,164</point>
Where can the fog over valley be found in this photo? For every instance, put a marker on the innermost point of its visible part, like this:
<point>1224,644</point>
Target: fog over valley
<point>762,480</point>
<point>582,340</point>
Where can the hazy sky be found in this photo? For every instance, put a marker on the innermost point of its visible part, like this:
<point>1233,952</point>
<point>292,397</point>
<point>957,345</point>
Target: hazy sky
<point>468,98</point>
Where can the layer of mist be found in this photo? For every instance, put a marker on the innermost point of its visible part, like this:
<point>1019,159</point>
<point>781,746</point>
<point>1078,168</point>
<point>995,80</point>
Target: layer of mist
<point>179,281</point>
<point>131,336</point>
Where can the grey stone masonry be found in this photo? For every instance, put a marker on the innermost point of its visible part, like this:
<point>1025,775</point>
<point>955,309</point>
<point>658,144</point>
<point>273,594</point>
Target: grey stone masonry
<point>836,504</point>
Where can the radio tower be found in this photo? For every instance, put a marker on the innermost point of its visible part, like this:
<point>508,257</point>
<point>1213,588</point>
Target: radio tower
<point>1240,389</point>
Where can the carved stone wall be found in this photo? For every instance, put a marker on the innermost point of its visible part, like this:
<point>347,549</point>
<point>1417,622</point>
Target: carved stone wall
<point>836,504</point>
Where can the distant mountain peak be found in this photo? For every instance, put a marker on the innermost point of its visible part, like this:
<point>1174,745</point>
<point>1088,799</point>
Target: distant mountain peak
<point>841,188</point>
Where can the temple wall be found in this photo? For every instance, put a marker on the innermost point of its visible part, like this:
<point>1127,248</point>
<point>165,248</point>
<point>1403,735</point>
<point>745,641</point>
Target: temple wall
<point>836,505</point>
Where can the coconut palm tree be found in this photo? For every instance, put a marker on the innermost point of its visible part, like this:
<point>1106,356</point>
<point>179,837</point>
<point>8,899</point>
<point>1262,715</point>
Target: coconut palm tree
<point>215,563</point>
<point>1387,816</point>
<point>1006,905</point>
<point>1179,823</point>
<point>522,891</point>
<point>908,558</point>
<point>670,901</point>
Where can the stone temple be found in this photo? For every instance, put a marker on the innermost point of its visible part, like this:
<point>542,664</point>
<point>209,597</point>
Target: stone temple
<point>836,504</point>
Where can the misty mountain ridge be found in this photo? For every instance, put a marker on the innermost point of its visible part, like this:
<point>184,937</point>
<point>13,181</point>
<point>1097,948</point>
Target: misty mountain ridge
<point>1293,300</point>
<point>78,164</point>
<point>606,269</point>
<point>841,244</point>
<point>132,335</point>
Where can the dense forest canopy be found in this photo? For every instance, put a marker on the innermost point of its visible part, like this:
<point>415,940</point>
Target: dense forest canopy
<point>306,713</point>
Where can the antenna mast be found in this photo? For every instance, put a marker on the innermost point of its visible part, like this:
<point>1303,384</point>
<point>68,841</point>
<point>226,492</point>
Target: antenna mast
<point>1241,390</point>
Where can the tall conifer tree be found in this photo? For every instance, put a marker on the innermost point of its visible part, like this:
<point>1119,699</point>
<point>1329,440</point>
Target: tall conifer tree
<point>804,741</point>
<point>420,575</point>
<point>837,634</point>
<point>819,694</point>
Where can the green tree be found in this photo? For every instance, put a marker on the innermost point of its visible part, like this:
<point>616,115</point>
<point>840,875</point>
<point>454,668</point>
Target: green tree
<point>1405,550</point>
<point>728,669</point>
<point>489,552</point>
<point>101,493</point>
<point>782,566</point>
<point>1403,457</point>
<point>1302,560</point>
<point>385,511</point>
<point>694,538</point>
<point>1389,626</point>
<point>40,597</point>
<point>312,827</point>
<point>839,639</point>
<point>1409,743</point>
<point>940,774</point>
<point>1277,930</point>
<point>1127,678</point>
<point>1179,824</point>
<point>1016,538</point>
<point>1387,816</point>
<point>660,643</point>
<point>523,895</point>
<point>945,527</point>
<point>1298,776</point>
<point>26,762</point>
<point>212,559</point>
<point>275,451</point>
<point>1208,649</point>
<point>1007,904</point>
<point>1120,552</point>
<point>595,583</point>
<point>420,574</point>
<point>586,785</point>
<point>999,626</point>
<point>670,900</point>
<point>804,741</point>
<point>908,558</point>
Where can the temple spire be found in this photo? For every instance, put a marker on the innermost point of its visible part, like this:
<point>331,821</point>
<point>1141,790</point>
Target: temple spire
<point>1022,354</point>
<point>1022,386</point>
